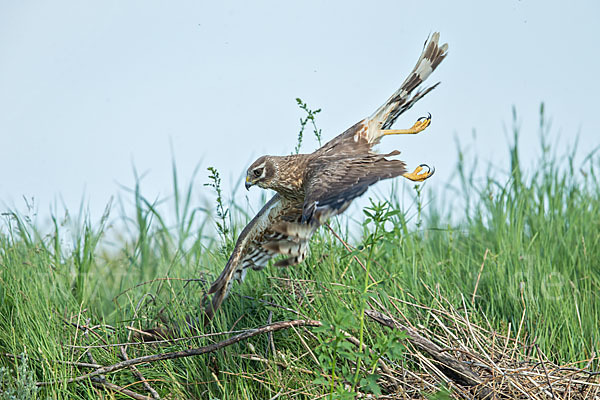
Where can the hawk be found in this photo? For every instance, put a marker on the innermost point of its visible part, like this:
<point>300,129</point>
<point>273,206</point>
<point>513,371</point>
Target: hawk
<point>314,187</point>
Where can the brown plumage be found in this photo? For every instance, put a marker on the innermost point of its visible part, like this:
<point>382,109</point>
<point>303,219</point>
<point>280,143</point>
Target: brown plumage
<point>313,187</point>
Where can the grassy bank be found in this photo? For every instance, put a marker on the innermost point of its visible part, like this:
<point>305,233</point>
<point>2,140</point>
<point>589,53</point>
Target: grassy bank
<point>523,260</point>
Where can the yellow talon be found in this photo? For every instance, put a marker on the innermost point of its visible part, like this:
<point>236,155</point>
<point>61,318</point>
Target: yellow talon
<point>419,126</point>
<point>416,177</point>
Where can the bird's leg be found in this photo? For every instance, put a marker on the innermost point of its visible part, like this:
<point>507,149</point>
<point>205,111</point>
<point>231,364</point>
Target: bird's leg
<point>416,177</point>
<point>419,126</point>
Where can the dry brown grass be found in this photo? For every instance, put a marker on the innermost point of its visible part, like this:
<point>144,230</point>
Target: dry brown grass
<point>502,366</point>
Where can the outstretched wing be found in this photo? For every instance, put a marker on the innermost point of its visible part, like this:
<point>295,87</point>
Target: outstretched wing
<point>333,184</point>
<point>251,249</point>
<point>368,132</point>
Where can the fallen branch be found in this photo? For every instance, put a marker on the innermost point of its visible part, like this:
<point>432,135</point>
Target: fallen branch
<point>75,363</point>
<point>189,352</point>
<point>119,389</point>
<point>452,368</point>
<point>139,375</point>
<point>125,357</point>
<point>100,381</point>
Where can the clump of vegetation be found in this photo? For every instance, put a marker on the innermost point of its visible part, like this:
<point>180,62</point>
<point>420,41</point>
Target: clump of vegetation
<point>17,384</point>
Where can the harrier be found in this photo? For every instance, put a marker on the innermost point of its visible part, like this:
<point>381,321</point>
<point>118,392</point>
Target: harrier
<point>314,187</point>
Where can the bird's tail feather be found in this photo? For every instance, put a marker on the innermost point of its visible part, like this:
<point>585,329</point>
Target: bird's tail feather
<point>403,98</point>
<point>221,287</point>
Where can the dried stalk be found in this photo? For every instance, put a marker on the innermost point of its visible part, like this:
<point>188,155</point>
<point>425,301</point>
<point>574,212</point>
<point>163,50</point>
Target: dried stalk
<point>189,352</point>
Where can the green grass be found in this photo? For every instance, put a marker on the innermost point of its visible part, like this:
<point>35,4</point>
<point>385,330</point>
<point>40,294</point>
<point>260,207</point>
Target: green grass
<point>540,228</point>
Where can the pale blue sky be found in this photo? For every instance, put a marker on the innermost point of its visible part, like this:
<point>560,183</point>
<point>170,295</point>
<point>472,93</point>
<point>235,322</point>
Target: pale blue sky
<point>88,88</point>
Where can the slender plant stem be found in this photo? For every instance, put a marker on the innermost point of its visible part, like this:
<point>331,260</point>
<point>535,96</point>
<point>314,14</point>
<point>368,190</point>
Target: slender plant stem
<point>362,303</point>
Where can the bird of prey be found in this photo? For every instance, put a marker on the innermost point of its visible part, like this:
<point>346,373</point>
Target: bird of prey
<point>314,187</point>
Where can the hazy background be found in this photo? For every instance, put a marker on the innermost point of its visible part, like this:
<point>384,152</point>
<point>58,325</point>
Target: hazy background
<point>88,90</point>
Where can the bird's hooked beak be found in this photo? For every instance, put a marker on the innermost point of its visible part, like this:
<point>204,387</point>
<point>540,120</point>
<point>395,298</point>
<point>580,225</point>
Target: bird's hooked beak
<point>248,183</point>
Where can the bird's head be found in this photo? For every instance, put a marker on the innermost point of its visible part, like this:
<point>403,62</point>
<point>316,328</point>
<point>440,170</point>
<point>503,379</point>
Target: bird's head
<point>261,172</point>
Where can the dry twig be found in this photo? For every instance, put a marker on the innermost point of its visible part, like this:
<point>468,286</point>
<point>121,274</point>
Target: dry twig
<point>188,352</point>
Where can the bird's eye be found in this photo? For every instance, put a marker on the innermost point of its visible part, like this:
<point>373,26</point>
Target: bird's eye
<point>257,172</point>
